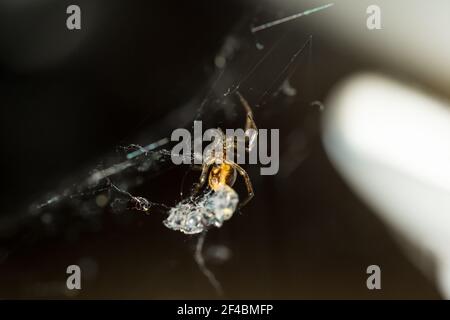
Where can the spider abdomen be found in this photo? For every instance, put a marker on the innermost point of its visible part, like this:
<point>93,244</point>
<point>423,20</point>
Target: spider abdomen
<point>220,175</point>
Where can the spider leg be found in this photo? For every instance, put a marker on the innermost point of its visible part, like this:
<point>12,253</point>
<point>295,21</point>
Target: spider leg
<point>203,176</point>
<point>249,123</point>
<point>194,167</point>
<point>247,180</point>
<point>197,167</point>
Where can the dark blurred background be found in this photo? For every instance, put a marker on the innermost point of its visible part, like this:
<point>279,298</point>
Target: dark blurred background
<point>69,99</point>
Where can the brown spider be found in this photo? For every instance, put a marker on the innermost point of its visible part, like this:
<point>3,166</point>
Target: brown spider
<point>218,169</point>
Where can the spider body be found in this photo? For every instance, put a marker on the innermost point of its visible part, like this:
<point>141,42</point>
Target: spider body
<point>220,175</point>
<point>218,170</point>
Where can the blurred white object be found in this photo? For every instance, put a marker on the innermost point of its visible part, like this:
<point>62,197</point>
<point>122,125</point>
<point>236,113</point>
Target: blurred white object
<point>414,36</point>
<point>392,145</point>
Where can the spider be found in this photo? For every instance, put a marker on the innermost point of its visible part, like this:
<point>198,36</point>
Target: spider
<point>220,171</point>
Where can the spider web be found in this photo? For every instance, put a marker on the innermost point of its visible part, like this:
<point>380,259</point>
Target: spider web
<point>238,66</point>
